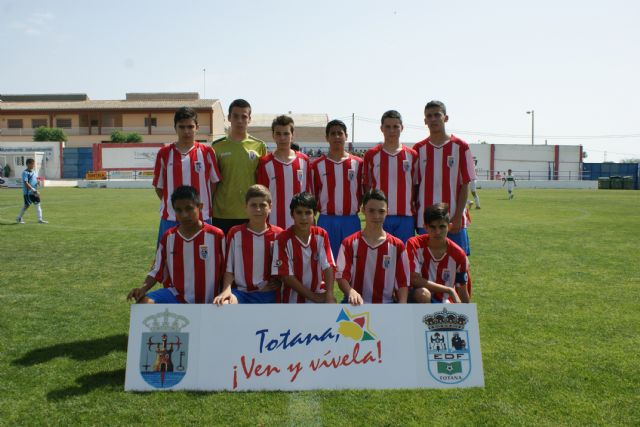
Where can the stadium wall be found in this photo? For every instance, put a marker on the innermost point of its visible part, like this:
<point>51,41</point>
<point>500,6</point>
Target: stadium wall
<point>53,165</point>
<point>134,156</point>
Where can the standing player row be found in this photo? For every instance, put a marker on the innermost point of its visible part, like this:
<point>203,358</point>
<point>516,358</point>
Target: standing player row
<point>437,169</point>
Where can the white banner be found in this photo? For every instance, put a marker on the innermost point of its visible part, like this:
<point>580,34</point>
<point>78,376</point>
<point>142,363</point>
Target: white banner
<point>303,347</point>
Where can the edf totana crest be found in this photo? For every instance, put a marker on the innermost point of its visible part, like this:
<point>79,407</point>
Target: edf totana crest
<point>164,350</point>
<point>448,349</point>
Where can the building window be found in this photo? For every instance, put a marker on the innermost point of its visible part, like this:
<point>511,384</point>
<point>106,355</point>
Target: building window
<point>36,123</point>
<point>94,123</point>
<point>63,123</point>
<point>14,123</point>
<point>19,160</point>
<point>154,122</point>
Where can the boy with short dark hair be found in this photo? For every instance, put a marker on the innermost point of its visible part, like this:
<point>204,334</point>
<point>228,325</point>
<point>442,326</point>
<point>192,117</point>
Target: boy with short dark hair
<point>337,184</point>
<point>30,192</point>
<point>302,256</point>
<point>391,167</point>
<point>372,265</point>
<point>247,279</point>
<point>189,258</point>
<point>185,162</point>
<point>439,267</point>
<point>445,169</point>
<point>237,154</point>
<point>284,172</point>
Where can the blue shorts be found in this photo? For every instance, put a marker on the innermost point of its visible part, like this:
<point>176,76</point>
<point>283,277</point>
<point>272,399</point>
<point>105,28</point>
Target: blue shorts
<point>163,296</point>
<point>338,227</point>
<point>461,238</point>
<point>31,198</point>
<point>254,297</point>
<point>166,224</point>
<point>402,227</point>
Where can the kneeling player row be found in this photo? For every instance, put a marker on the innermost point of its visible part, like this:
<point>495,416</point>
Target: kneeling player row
<point>261,263</point>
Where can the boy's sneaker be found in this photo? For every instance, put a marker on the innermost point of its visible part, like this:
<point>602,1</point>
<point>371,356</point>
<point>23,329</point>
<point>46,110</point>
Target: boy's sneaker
<point>19,220</point>
<point>42,221</point>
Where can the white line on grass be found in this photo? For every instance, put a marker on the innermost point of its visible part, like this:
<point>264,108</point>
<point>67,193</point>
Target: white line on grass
<point>304,409</point>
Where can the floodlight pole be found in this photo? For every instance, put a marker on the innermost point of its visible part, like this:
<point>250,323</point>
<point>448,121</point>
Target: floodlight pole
<point>532,123</point>
<point>204,83</point>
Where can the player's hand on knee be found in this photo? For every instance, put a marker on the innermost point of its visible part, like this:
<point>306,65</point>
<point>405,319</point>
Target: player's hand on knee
<point>355,298</point>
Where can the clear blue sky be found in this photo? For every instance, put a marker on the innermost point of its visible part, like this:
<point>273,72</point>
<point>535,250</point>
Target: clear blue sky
<point>576,63</point>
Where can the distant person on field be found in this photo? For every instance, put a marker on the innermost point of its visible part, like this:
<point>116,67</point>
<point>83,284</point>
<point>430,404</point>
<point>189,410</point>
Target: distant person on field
<point>237,155</point>
<point>30,193</point>
<point>474,188</point>
<point>302,256</point>
<point>445,170</point>
<point>185,162</point>
<point>510,180</point>
<point>439,267</point>
<point>391,167</point>
<point>247,279</point>
<point>189,258</point>
<point>372,265</point>
<point>337,185</point>
<point>284,172</point>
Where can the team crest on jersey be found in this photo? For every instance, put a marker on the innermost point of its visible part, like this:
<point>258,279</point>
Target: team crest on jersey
<point>446,275</point>
<point>451,161</point>
<point>278,263</point>
<point>448,350</point>
<point>351,174</point>
<point>164,351</point>
<point>300,174</point>
<point>198,166</point>
<point>406,165</point>
<point>252,155</point>
<point>204,252</point>
<point>386,261</point>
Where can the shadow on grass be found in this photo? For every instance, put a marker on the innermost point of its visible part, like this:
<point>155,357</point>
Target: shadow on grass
<point>77,350</point>
<point>113,380</point>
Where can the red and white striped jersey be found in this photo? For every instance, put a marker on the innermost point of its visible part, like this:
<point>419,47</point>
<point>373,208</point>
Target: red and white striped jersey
<point>337,185</point>
<point>304,260</point>
<point>249,256</point>
<point>192,269</point>
<point>394,174</point>
<point>441,172</point>
<point>374,272</point>
<point>197,168</point>
<point>283,181</point>
<point>441,271</point>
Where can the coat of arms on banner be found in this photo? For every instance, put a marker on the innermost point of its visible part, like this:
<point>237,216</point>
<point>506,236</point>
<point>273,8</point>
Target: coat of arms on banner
<point>198,166</point>
<point>448,349</point>
<point>165,350</point>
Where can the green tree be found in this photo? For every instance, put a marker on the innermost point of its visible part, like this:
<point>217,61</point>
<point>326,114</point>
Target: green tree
<point>49,134</point>
<point>118,136</point>
<point>133,137</point>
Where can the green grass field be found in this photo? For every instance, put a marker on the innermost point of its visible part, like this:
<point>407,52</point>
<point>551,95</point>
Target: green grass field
<point>556,280</point>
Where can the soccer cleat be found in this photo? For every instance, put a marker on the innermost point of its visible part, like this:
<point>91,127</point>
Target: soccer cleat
<point>477,207</point>
<point>42,221</point>
<point>19,220</point>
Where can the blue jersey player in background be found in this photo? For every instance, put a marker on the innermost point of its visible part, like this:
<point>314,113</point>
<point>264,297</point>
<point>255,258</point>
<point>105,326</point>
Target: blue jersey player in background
<point>30,192</point>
